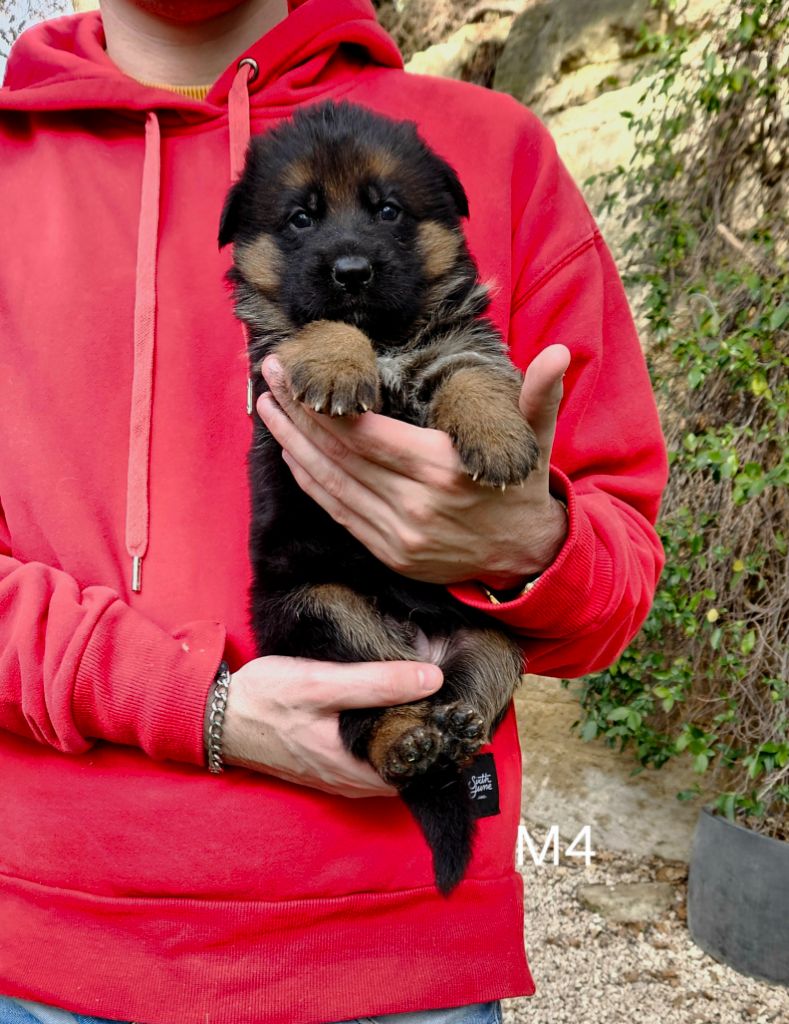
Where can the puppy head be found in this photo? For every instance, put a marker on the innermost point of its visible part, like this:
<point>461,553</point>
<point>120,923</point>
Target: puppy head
<point>341,214</point>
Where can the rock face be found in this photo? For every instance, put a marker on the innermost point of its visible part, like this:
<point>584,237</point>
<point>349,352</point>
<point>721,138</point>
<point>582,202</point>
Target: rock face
<point>575,65</point>
<point>558,53</point>
<point>458,55</point>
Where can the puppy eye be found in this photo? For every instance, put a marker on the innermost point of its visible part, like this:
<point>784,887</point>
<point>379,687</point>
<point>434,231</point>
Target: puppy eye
<point>301,219</point>
<point>389,211</point>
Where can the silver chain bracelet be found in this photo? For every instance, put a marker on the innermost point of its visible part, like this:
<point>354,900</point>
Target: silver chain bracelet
<point>216,719</point>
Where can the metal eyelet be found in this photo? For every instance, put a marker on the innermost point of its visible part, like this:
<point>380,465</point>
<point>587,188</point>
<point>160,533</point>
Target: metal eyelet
<point>250,62</point>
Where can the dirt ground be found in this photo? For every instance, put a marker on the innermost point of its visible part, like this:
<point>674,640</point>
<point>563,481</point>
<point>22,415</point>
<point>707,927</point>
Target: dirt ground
<point>589,970</point>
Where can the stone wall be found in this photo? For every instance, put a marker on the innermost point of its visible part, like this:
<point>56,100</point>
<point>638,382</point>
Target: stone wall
<point>570,783</point>
<point>576,65</point>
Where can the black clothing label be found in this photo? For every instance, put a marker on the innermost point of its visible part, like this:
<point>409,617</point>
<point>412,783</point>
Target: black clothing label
<point>483,786</point>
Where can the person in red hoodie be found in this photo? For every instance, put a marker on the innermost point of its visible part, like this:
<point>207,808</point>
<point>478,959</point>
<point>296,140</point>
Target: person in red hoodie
<point>135,884</point>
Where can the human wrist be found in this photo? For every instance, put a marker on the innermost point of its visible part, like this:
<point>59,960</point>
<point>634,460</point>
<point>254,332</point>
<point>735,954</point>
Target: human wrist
<point>214,719</point>
<point>545,540</point>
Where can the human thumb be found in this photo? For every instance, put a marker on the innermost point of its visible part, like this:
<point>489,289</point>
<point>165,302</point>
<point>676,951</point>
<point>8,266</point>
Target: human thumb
<point>541,393</point>
<point>383,683</point>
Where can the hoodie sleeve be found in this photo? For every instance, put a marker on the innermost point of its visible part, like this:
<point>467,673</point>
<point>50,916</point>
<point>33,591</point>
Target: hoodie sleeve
<point>77,665</point>
<point>608,462</point>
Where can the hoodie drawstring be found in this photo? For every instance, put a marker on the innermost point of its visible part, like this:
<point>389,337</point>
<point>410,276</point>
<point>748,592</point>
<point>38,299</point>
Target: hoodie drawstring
<point>238,118</point>
<point>138,480</point>
<point>238,114</point>
<point>137,502</point>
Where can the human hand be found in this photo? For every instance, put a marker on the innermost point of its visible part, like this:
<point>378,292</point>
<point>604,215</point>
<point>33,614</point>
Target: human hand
<point>282,717</point>
<point>402,491</point>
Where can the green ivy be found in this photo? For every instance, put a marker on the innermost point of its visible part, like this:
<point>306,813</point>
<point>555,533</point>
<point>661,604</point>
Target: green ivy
<point>706,679</point>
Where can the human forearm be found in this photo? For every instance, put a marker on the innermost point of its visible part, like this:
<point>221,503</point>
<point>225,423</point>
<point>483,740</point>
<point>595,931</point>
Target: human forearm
<point>609,467</point>
<point>77,664</point>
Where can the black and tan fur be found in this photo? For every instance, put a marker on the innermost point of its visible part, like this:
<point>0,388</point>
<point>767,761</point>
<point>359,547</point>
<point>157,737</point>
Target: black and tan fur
<point>350,263</point>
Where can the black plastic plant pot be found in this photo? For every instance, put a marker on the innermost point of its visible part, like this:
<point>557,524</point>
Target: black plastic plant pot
<point>738,898</point>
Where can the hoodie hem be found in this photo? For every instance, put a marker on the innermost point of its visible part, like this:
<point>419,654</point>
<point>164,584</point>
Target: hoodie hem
<point>259,962</point>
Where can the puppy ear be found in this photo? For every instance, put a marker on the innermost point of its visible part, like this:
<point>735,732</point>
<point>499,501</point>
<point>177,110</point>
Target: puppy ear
<point>237,202</point>
<point>455,189</point>
<point>447,175</point>
<point>231,213</point>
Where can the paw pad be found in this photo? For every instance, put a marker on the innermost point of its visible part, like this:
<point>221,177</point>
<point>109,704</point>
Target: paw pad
<point>411,754</point>
<point>462,730</point>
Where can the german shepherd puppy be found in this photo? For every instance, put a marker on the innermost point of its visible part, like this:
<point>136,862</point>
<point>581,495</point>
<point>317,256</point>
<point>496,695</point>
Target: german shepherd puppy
<point>350,264</point>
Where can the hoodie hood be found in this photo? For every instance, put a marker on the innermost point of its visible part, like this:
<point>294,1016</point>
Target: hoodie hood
<point>62,64</point>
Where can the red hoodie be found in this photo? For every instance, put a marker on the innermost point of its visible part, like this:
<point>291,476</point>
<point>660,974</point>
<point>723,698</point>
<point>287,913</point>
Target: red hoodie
<point>133,884</point>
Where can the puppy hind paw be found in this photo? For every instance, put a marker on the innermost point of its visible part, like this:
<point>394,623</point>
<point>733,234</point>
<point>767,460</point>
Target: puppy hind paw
<point>462,731</point>
<point>411,754</point>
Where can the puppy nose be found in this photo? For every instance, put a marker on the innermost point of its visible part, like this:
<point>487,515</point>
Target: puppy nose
<point>352,272</point>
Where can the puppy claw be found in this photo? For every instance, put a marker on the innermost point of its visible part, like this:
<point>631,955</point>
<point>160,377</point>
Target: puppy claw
<point>503,488</point>
<point>500,465</point>
<point>336,380</point>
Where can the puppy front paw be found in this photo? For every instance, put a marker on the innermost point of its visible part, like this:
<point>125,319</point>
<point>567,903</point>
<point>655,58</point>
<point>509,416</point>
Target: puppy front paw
<point>497,453</point>
<point>332,368</point>
<point>479,410</point>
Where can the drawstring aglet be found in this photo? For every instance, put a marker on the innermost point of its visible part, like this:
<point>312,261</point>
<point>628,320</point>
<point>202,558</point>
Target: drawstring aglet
<point>136,580</point>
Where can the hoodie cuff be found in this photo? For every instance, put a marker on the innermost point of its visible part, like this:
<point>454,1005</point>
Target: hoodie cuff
<point>569,594</point>
<point>141,686</point>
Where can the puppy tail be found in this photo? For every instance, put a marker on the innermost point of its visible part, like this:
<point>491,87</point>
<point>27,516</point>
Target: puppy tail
<point>440,802</point>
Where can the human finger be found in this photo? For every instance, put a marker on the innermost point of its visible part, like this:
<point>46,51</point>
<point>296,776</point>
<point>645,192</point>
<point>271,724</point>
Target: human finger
<point>541,393</point>
<point>346,478</point>
<point>356,514</point>
<point>338,686</point>
<point>414,452</point>
<point>348,776</point>
<point>349,502</point>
